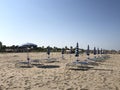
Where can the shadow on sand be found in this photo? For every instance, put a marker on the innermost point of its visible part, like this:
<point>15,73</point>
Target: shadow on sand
<point>103,69</point>
<point>48,66</point>
<point>81,68</point>
<point>25,66</point>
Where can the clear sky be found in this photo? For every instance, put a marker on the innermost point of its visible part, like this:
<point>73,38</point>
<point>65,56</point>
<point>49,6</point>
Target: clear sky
<point>61,23</point>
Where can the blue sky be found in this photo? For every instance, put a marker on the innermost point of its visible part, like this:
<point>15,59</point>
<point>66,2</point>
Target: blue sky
<point>61,23</point>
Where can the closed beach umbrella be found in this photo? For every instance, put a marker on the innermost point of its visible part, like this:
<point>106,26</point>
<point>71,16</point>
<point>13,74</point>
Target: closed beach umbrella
<point>63,52</point>
<point>48,50</point>
<point>71,50</point>
<point>88,50</point>
<point>101,51</point>
<point>77,50</point>
<point>94,51</point>
<point>98,51</point>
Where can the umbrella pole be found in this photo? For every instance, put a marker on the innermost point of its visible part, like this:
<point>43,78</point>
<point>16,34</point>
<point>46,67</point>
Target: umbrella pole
<point>76,58</point>
<point>70,55</point>
<point>94,56</point>
<point>48,56</point>
<point>62,56</point>
<point>88,57</point>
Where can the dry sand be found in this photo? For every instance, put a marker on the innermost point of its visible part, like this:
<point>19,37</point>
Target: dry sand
<point>106,76</point>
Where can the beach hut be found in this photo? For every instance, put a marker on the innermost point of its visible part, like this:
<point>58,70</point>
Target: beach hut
<point>29,45</point>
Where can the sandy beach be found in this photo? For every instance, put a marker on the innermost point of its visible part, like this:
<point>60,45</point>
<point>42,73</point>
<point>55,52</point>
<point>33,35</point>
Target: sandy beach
<point>55,76</point>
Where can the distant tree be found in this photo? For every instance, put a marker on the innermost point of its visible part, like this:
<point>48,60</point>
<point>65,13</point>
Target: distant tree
<point>71,47</point>
<point>3,48</point>
<point>42,47</point>
<point>12,47</point>
<point>71,50</point>
<point>66,48</point>
<point>54,49</point>
<point>112,51</point>
<point>82,51</point>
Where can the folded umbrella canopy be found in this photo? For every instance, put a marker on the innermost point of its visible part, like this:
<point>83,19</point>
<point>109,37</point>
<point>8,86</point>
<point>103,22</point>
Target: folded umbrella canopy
<point>63,52</point>
<point>88,51</point>
<point>48,51</point>
<point>77,50</point>
<point>101,51</point>
<point>98,51</point>
<point>94,51</point>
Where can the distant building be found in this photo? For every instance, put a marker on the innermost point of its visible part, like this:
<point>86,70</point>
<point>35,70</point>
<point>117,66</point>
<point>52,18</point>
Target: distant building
<point>29,45</point>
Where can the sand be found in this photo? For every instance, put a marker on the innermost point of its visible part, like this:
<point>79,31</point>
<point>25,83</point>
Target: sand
<point>55,76</point>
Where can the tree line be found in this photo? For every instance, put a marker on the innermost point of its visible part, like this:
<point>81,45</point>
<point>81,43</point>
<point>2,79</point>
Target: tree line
<point>16,48</point>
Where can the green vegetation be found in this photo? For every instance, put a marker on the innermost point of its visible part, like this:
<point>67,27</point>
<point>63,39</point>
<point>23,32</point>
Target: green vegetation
<point>16,48</point>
